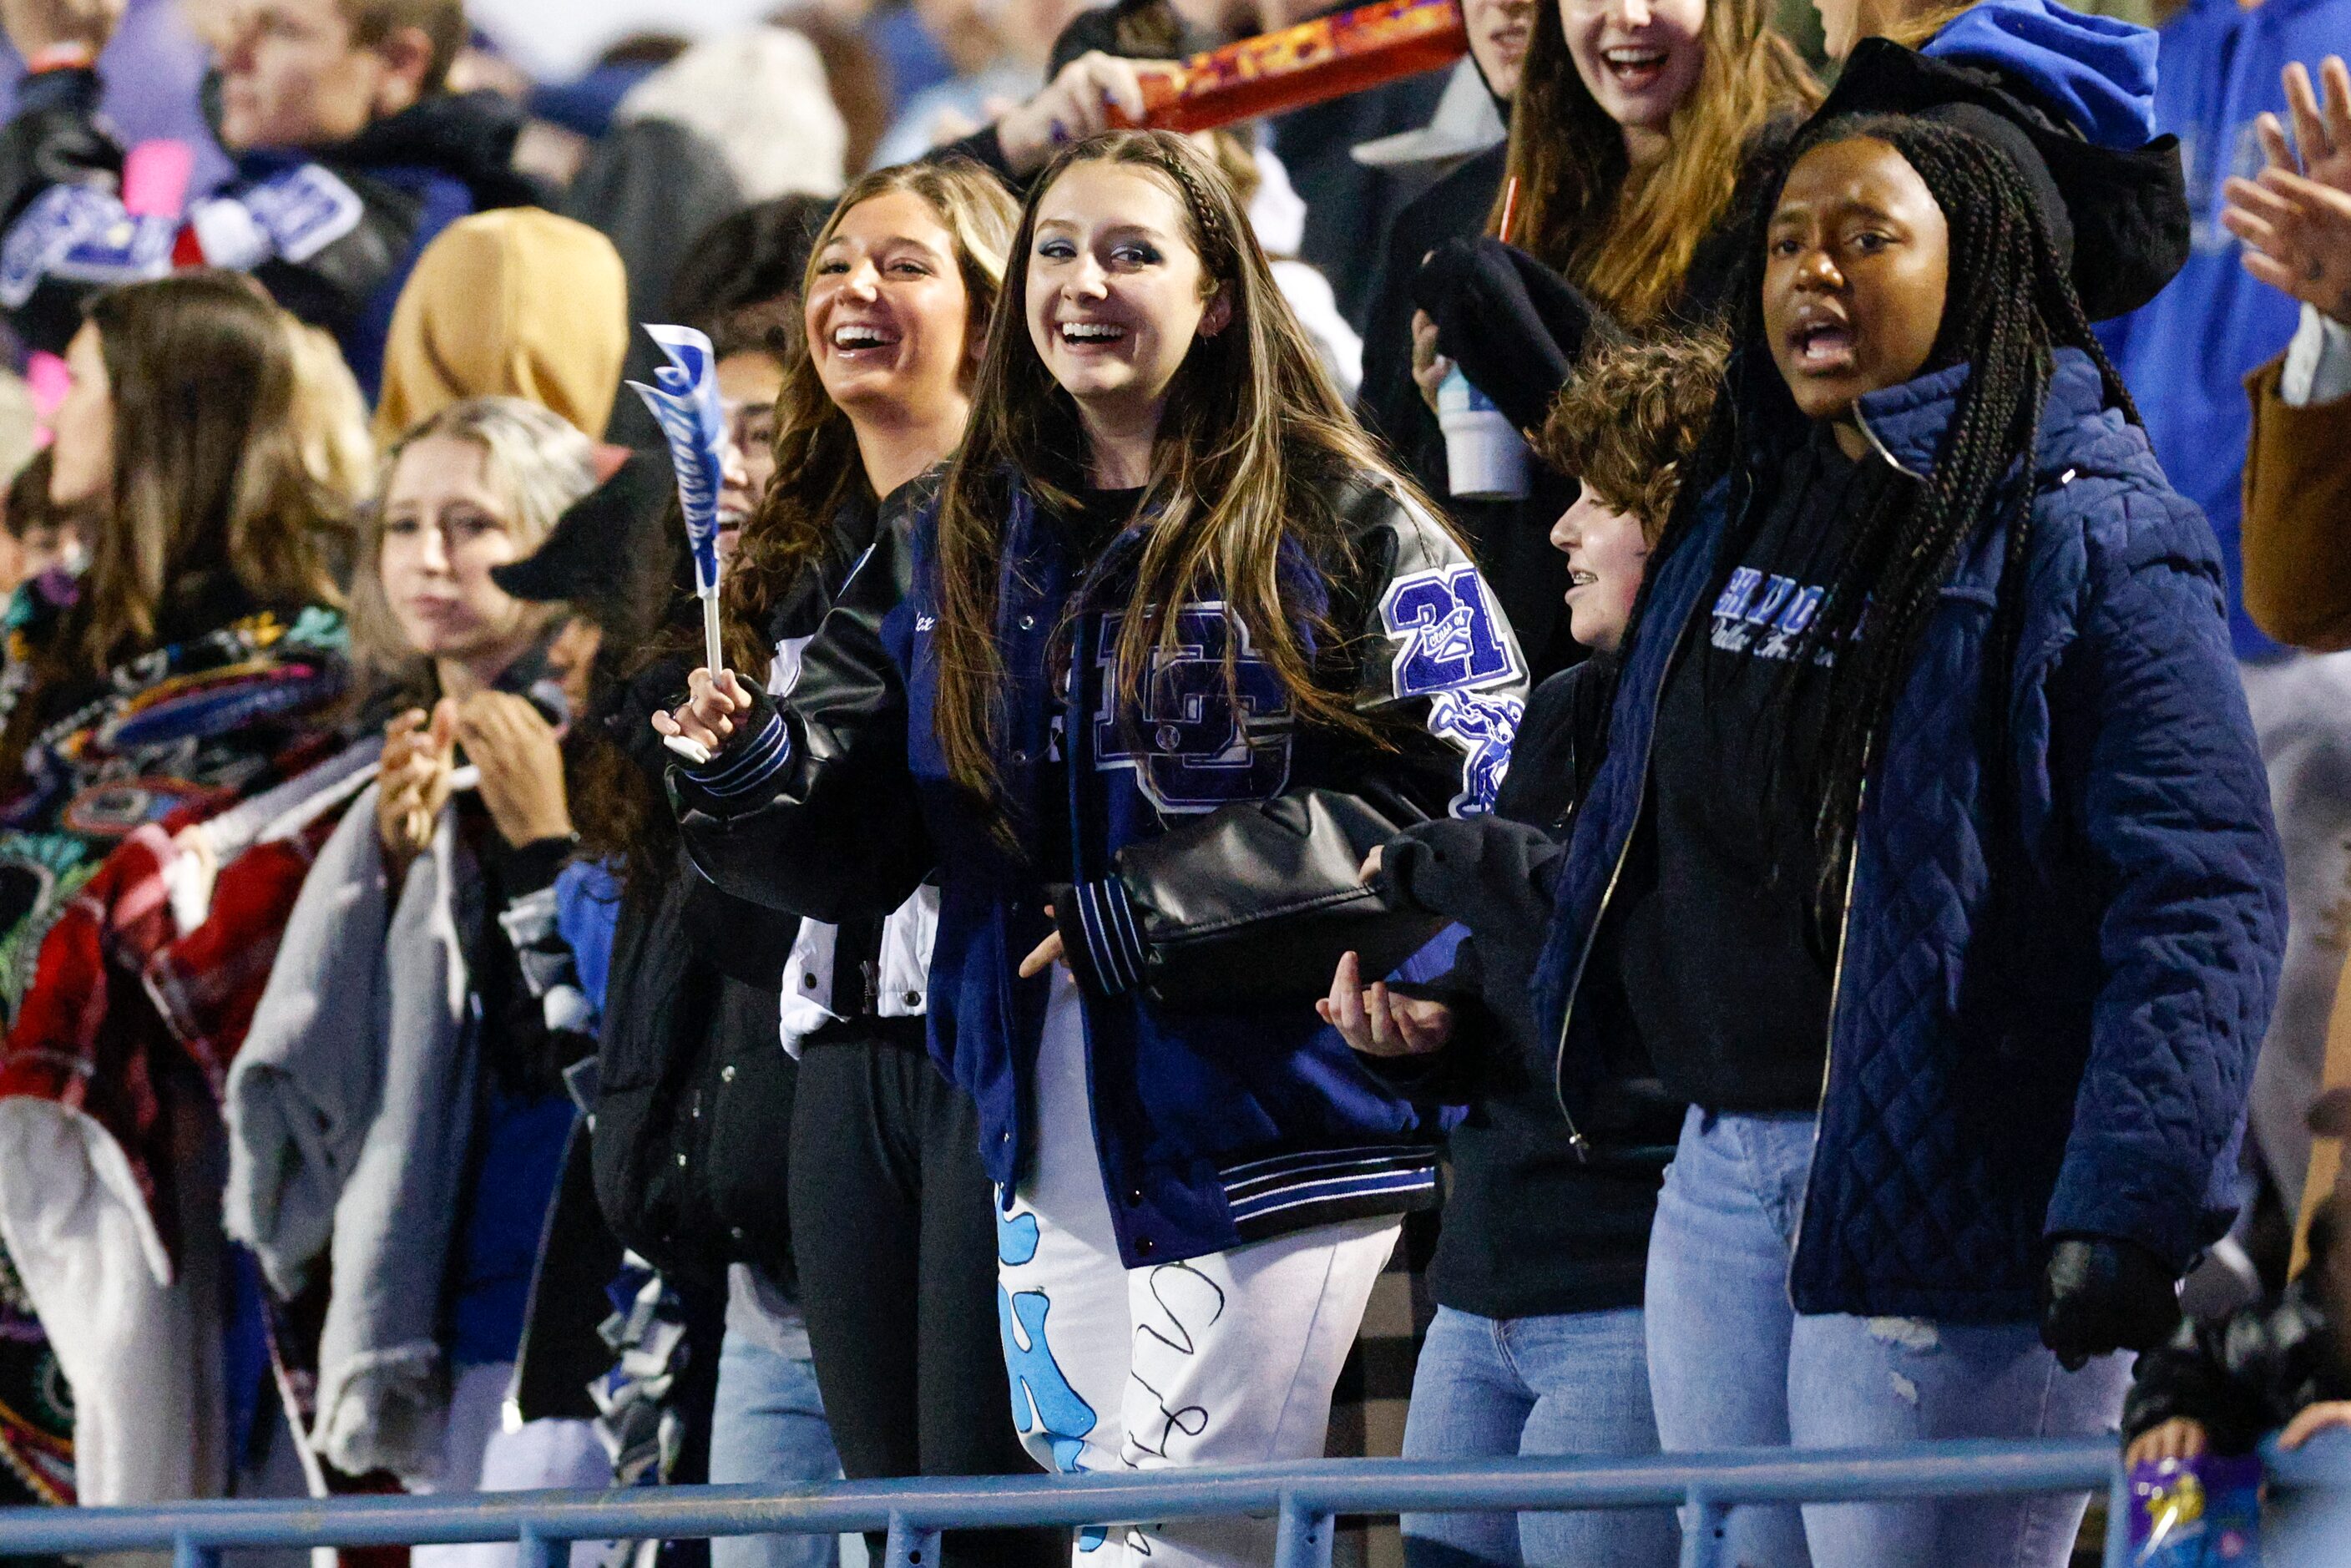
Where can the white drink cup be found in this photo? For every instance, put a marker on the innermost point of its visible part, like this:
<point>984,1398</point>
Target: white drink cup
<point>1485,457</point>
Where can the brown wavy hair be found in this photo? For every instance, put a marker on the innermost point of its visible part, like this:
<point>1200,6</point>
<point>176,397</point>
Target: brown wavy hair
<point>817,464</point>
<point>1633,411</point>
<point>1626,235</point>
<point>209,471</point>
<point>1253,432</point>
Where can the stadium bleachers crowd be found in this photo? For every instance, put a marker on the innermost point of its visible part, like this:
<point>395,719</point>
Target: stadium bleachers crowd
<point>1638,745</point>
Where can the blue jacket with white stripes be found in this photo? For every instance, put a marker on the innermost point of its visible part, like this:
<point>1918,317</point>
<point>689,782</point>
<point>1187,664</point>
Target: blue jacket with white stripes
<point>1213,835</point>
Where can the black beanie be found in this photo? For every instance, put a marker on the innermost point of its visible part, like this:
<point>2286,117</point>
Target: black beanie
<point>2120,218</point>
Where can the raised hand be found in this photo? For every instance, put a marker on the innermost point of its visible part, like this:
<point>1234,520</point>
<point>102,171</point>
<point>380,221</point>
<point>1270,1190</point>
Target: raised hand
<point>412,780</point>
<point>2294,217</point>
<point>1078,102</point>
<point>708,716</point>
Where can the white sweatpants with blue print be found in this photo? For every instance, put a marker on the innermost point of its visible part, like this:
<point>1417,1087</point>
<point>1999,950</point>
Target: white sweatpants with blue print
<point>1226,1359</point>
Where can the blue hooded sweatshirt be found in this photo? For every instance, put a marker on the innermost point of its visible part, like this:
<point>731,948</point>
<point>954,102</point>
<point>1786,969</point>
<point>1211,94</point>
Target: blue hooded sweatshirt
<point>2095,73</point>
<point>2185,354</point>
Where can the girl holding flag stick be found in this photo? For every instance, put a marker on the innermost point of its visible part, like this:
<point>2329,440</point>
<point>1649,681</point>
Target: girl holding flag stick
<point>1174,639</point>
<point>684,402</point>
<point>891,1236</point>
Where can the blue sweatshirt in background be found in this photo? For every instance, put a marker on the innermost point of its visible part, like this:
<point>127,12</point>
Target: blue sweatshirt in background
<point>2097,73</point>
<point>2185,354</point>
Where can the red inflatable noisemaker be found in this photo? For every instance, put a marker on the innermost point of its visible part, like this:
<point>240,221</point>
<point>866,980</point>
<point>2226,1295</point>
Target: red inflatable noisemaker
<point>1325,59</point>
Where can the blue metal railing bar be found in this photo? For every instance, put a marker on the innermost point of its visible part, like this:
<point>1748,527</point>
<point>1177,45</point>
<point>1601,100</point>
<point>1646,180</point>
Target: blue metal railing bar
<point>1304,1498</point>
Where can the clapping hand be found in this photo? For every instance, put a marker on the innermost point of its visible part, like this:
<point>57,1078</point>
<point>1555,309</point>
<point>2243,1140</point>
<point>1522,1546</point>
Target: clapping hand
<point>2294,217</point>
<point>412,780</point>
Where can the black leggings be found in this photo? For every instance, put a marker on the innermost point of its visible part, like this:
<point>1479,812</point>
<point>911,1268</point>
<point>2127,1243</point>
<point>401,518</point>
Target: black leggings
<point>894,1230</point>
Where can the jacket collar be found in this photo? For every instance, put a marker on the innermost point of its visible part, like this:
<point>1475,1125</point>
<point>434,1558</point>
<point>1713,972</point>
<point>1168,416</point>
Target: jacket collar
<point>1905,423</point>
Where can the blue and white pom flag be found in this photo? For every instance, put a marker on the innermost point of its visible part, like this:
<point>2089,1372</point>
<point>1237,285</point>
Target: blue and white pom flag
<point>684,402</point>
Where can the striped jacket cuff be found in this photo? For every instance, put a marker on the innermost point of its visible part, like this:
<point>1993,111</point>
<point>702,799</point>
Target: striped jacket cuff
<point>1102,938</point>
<point>1292,1192</point>
<point>742,768</point>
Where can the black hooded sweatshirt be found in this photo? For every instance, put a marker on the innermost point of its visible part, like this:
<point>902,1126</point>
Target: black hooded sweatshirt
<point>1541,1216</point>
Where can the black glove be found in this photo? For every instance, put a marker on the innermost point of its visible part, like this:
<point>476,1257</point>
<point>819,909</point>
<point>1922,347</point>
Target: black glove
<point>2101,1294</point>
<point>1512,324</point>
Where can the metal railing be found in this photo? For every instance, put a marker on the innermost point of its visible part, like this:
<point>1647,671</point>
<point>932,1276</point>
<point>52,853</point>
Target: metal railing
<point>1304,1498</point>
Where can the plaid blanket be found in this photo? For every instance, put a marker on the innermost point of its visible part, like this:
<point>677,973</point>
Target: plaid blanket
<point>110,1003</point>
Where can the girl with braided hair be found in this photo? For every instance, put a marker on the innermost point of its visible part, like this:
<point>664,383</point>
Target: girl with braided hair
<point>1930,860</point>
<point>1173,649</point>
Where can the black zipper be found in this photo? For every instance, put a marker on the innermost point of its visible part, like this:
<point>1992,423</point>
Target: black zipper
<point>1575,1138</point>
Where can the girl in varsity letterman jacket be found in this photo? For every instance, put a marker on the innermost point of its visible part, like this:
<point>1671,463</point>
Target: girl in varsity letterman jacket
<point>1198,1182</point>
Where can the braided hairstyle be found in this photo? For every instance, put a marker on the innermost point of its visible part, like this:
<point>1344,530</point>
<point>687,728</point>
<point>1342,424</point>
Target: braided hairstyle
<point>2008,305</point>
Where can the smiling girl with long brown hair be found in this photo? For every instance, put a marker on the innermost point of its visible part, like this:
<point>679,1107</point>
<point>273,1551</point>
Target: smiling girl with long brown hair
<point>1177,648</point>
<point>869,1237</point>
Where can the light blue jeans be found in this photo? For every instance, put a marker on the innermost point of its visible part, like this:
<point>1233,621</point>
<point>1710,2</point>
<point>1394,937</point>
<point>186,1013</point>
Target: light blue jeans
<point>766,1423</point>
<point>1576,1383</point>
<point>1731,1364</point>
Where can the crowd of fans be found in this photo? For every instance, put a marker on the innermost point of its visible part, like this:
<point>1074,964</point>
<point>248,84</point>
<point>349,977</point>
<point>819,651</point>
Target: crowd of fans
<point>1690,683</point>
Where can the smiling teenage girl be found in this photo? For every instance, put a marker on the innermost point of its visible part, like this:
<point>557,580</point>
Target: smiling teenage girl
<point>1934,861</point>
<point>1180,650</point>
<point>890,1225</point>
<point>868,1240</point>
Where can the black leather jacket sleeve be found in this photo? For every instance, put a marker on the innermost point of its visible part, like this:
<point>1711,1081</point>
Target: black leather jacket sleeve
<point>813,812</point>
<point>1253,903</point>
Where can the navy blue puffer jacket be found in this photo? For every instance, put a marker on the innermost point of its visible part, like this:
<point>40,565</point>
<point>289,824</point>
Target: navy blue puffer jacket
<point>2048,997</point>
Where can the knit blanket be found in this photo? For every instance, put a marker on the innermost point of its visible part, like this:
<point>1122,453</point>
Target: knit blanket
<point>125,1010</point>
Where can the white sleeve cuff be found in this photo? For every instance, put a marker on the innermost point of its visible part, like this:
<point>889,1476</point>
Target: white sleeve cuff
<point>2317,362</point>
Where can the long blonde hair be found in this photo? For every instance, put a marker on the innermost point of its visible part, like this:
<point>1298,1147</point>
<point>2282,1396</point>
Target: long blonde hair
<point>538,461</point>
<point>1253,432</point>
<point>328,416</point>
<point>1624,235</point>
<point>817,464</point>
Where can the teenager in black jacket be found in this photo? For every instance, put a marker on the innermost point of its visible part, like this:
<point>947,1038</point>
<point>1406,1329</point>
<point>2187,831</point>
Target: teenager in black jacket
<point>1538,1346</point>
<point>891,1234</point>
